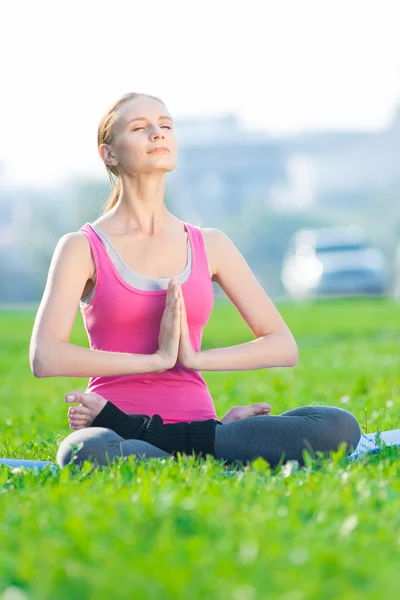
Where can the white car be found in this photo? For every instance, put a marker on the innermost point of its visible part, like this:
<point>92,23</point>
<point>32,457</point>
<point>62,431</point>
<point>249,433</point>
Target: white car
<point>333,261</point>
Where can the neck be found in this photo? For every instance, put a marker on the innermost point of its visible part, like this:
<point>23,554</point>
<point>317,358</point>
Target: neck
<point>141,206</point>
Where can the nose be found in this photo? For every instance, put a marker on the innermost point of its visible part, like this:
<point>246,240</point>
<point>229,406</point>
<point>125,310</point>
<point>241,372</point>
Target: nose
<point>158,132</point>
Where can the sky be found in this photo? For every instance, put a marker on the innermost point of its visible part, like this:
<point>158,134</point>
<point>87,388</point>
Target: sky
<point>282,66</point>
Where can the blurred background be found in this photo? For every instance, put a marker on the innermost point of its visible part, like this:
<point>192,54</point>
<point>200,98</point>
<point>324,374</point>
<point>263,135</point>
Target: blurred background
<point>288,123</point>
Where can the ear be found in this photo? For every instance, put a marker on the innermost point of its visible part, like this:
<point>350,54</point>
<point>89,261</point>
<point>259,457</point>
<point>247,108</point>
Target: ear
<point>107,155</point>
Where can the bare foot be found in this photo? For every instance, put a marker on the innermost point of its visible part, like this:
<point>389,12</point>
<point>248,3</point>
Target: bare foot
<point>90,405</point>
<point>244,412</point>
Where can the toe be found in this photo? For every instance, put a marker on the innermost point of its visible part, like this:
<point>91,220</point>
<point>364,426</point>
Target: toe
<point>261,407</point>
<point>79,397</point>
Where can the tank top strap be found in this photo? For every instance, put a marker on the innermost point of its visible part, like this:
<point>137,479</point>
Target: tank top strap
<point>199,249</point>
<point>101,259</point>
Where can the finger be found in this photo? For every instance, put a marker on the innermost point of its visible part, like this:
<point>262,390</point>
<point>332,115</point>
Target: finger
<point>174,308</point>
<point>183,304</point>
<point>182,321</point>
<point>184,317</point>
<point>171,292</point>
<point>177,313</point>
<point>170,289</point>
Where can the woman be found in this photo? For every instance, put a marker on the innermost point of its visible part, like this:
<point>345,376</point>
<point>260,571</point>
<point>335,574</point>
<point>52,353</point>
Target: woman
<point>145,394</point>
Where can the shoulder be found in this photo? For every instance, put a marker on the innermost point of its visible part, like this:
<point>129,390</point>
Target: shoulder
<point>75,240</point>
<point>219,248</point>
<point>75,244</point>
<point>212,234</point>
<point>216,238</point>
<point>72,240</point>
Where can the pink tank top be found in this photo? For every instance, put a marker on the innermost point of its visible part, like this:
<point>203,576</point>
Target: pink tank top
<point>122,318</point>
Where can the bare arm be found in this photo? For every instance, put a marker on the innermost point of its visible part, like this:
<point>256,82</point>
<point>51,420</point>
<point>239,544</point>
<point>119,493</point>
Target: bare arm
<point>269,350</point>
<point>50,353</point>
<point>63,359</point>
<point>275,345</point>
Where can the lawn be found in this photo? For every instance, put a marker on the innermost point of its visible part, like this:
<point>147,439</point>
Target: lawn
<point>186,529</point>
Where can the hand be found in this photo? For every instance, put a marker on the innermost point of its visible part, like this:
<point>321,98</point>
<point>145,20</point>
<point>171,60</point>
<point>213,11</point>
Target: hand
<point>168,339</point>
<point>187,356</point>
<point>83,415</point>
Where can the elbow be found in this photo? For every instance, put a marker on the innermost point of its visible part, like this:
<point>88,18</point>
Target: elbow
<point>33,364</point>
<point>36,370</point>
<point>39,374</point>
<point>34,359</point>
<point>36,365</point>
<point>43,360</point>
<point>294,357</point>
<point>287,350</point>
<point>292,354</point>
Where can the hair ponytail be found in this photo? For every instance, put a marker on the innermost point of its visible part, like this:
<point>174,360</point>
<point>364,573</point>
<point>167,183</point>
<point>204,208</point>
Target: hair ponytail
<point>114,196</point>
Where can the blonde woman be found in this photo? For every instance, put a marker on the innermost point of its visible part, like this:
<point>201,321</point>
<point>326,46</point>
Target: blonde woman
<point>143,281</point>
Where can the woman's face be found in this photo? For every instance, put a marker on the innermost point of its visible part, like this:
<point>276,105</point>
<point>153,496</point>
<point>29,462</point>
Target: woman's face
<point>142,125</point>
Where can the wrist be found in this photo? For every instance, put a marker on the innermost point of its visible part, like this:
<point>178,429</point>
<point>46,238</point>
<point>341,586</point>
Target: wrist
<point>196,362</point>
<point>160,364</point>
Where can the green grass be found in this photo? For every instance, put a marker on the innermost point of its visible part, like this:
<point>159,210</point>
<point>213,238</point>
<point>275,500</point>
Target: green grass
<point>166,529</point>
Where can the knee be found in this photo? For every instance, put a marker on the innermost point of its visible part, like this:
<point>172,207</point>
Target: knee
<point>89,443</point>
<point>350,428</point>
<point>343,426</point>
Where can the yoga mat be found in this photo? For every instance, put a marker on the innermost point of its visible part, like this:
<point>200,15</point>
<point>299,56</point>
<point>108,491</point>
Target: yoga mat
<point>366,444</point>
<point>17,463</point>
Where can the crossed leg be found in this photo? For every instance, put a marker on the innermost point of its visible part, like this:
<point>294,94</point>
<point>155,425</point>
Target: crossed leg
<point>103,446</point>
<point>311,428</point>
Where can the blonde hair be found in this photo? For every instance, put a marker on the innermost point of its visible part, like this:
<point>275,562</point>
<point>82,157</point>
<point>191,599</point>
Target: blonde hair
<point>104,137</point>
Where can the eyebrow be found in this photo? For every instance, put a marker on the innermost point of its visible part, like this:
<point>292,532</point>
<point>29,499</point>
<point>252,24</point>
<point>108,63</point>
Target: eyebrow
<point>144,119</point>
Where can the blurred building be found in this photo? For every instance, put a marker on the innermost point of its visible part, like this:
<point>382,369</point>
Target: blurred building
<point>16,211</point>
<point>351,166</point>
<point>225,170</point>
<point>221,167</point>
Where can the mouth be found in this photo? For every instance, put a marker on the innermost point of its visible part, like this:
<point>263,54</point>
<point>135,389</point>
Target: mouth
<point>159,151</point>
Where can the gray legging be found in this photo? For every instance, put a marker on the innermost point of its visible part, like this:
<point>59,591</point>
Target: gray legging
<point>314,428</point>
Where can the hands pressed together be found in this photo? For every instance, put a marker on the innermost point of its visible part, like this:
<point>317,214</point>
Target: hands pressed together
<point>174,339</point>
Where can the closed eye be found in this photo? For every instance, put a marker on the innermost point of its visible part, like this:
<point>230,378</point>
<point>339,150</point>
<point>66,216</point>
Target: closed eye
<point>137,128</point>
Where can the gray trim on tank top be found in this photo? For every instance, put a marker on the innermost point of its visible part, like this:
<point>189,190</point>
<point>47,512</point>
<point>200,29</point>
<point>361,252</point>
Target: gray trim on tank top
<point>133,278</point>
